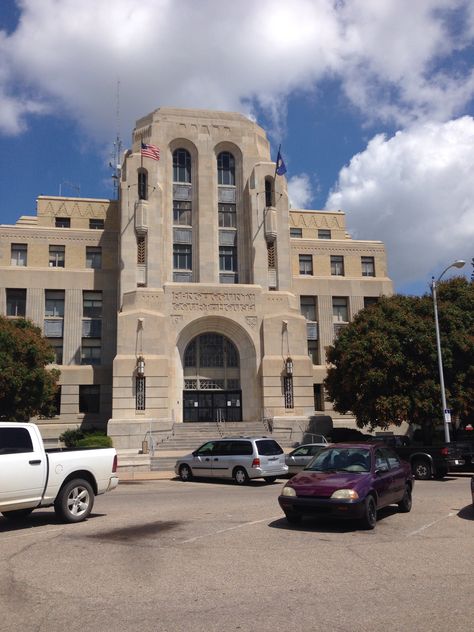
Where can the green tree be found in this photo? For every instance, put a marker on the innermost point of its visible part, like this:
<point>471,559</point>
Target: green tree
<point>384,365</point>
<point>27,387</point>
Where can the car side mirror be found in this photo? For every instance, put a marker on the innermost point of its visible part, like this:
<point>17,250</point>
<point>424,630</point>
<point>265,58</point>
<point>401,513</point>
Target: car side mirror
<point>195,453</point>
<point>381,469</point>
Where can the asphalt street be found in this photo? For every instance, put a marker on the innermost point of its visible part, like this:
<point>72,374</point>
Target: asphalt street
<point>169,556</point>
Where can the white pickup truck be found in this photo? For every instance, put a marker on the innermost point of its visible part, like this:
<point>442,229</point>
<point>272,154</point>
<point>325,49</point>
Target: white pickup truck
<point>68,479</point>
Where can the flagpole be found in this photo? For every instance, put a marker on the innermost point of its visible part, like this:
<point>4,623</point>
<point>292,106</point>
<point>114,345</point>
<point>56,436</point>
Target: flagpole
<point>141,154</point>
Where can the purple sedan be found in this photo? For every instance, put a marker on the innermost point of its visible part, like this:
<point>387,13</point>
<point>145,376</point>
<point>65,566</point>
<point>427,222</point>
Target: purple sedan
<point>349,480</point>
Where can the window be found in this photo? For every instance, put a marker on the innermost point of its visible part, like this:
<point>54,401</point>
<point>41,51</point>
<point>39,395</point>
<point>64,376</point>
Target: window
<point>182,257</point>
<point>288,391</point>
<point>89,398</point>
<point>96,224</point>
<point>324,233</point>
<point>306,264</point>
<point>57,344</point>
<point>94,257</point>
<point>296,232</point>
<point>18,254</point>
<point>227,216</point>
<point>92,304</point>
<point>337,265</point>
<point>182,213</point>
<point>308,307</point>
<point>54,304</point>
<point>56,256</point>
<point>90,351</point>
<point>340,313</point>
<point>142,184</point>
<point>15,441</point>
<point>181,166</point>
<point>368,266</point>
<point>62,222</point>
<point>318,397</point>
<point>16,303</point>
<point>313,351</point>
<point>370,300</point>
<point>226,168</point>
<point>227,258</point>
<point>268,192</point>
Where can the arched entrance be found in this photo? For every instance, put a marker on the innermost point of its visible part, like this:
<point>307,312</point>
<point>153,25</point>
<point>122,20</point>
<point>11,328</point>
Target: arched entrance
<point>212,390</point>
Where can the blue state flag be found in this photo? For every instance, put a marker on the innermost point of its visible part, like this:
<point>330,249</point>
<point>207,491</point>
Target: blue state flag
<point>280,164</point>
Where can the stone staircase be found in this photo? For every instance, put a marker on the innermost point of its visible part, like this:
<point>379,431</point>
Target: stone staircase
<point>186,437</point>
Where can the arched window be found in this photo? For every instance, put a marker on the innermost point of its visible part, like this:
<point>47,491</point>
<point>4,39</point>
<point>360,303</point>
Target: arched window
<point>226,168</point>
<point>142,184</point>
<point>181,166</point>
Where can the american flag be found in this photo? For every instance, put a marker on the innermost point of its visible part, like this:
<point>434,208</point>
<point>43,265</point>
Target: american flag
<point>150,151</point>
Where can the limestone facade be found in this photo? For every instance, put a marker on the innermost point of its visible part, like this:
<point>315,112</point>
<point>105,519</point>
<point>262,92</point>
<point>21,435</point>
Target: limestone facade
<point>198,295</point>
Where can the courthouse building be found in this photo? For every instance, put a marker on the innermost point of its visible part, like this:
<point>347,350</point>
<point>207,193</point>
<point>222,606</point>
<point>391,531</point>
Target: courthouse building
<point>198,295</point>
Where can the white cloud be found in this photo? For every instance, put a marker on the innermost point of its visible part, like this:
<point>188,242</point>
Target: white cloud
<point>415,192</point>
<point>300,191</point>
<point>388,56</point>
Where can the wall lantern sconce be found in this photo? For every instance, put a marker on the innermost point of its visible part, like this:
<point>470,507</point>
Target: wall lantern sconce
<point>289,366</point>
<point>140,366</point>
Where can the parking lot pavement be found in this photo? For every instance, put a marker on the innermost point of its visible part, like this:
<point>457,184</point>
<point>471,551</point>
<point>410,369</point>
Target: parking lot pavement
<point>165,555</point>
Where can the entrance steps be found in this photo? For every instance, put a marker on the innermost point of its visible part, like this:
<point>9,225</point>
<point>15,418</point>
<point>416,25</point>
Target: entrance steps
<point>186,437</point>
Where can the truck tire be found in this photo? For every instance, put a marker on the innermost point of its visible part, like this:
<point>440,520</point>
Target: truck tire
<point>421,469</point>
<point>17,514</point>
<point>74,501</point>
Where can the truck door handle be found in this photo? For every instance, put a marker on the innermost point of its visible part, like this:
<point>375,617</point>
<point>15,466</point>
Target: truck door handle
<point>35,462</point>
<point>216,459</point>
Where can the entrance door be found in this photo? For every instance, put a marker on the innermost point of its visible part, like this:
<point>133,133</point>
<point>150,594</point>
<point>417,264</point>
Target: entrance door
<point>209,406</point>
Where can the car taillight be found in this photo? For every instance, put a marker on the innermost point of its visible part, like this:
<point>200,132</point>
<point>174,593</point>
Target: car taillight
<point>256,463</point>
<point>445,451</point>
<point>114,466</point>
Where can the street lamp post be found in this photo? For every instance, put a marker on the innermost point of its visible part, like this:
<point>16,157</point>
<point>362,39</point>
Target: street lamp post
<point>446,414</point>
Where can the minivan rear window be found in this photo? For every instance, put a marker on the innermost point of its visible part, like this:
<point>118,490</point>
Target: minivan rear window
<point>268,447</point>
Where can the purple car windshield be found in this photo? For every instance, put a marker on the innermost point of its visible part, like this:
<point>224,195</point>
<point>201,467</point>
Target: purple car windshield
<point>341,460</point>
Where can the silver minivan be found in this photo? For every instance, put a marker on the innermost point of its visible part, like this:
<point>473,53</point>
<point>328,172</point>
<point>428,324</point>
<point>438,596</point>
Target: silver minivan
<point>239,458</point>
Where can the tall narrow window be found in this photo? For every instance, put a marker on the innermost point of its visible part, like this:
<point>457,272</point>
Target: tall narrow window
<point>337,265</point>
<point>140,392</point>
<point>56,256</point>
<point>340,312</point>
<point>18,254</point>
<point>181,166</point>
<point>142,184</point>
<point>181,213</point>
<point>308,307</point>
<point>226,168</point>
<point>306,264</point>
<point>269,192</point>
<point>54,315</point>
<point>89,398</point>
<point>182,257</point>
<point>94,257</point>
<point>16,303</point>
<point>227,218</point>
<point>368,266</point>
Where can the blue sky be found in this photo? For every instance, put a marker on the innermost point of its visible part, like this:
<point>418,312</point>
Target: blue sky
<point>371,100</point>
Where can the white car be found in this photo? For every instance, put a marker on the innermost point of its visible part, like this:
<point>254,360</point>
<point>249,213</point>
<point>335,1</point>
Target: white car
<point>238,458</point>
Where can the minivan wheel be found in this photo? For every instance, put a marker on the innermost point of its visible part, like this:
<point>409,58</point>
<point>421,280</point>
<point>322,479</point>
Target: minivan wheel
<point>185,473</point>
<point>240,476</point>
<point>369,519</point>
<point>421,469</point>
<point>269,479</point>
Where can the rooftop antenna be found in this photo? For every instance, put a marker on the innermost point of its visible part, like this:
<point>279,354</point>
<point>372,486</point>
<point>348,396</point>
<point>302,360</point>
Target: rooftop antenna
<point>114,164</point>
<point>76,187</point>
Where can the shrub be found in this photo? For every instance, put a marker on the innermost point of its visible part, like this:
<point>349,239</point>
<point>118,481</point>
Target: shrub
<point>95,440</point>
<point>71,436</point>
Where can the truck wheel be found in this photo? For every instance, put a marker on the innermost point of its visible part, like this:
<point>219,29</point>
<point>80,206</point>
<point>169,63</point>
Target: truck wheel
<point>421,469</point>
<point>74,501</point>
<point>17,514</point>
